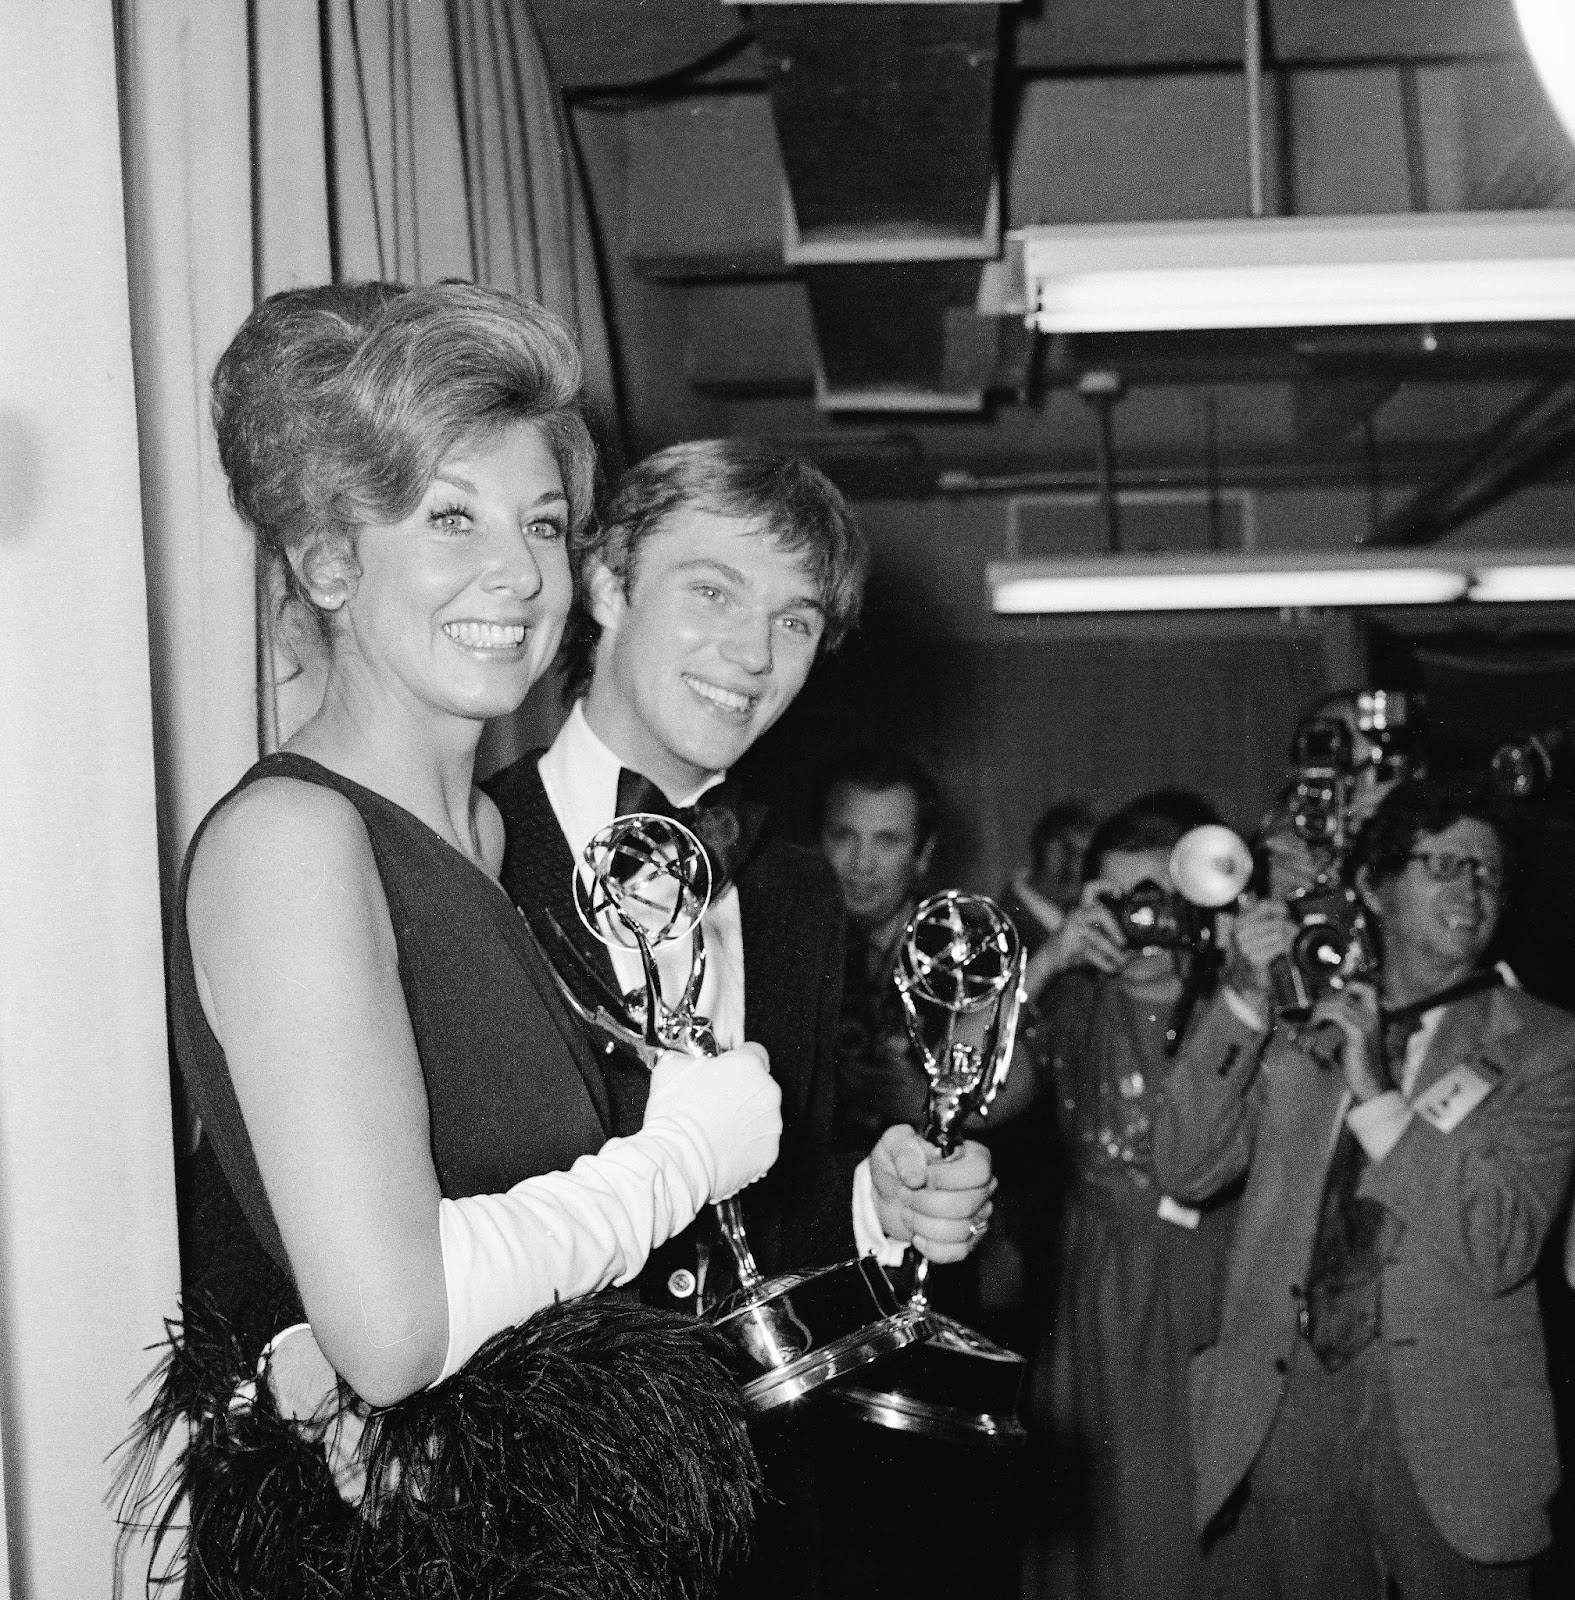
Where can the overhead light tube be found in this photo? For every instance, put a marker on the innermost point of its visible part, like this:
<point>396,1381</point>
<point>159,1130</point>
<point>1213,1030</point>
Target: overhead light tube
<point>1221,583</point>
<point>1548,27</point>
<point>1528,581</point>
<point>1274,272</point>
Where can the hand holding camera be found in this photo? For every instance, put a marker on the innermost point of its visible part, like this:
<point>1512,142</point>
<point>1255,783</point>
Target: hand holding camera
<point>1259,934</point>
<point>1091,936</point>
<point>1345,1030</point>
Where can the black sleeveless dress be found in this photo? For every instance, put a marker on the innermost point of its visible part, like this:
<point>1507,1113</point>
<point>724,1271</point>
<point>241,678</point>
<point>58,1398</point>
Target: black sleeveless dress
<point>513,1086</point>
<point>514,1089</point>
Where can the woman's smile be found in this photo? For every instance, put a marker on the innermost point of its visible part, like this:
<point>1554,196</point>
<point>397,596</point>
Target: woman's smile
<point>486,637</point>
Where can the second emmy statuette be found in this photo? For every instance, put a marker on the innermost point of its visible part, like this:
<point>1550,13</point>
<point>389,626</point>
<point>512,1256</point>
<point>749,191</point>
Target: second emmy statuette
<point>960,968</point>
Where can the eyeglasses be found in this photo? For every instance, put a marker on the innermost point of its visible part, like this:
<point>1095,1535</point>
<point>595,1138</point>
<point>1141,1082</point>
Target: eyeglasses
<point>1443,866</point>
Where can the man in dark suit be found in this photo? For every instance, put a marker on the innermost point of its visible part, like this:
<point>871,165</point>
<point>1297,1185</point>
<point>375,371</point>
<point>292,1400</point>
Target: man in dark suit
<point>718,573</point>
<point>1039,896</point>
<point>1375,1409</point>
<point>879,814</point>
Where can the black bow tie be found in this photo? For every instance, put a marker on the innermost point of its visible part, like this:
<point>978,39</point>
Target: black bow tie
<point>723,821</point>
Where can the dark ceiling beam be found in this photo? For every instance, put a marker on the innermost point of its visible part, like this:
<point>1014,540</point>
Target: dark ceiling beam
<point>616,45</point>
<point>1443,354</point>
<point>1141,35</point>
<point>1535,434</point>
<point>885,118</point>
<point>911,463</point>
<point>1325,413</point>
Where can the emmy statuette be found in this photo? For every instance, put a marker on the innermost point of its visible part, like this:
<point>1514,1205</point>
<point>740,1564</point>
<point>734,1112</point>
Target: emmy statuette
<point>645,881</point>
<point>960,968</point>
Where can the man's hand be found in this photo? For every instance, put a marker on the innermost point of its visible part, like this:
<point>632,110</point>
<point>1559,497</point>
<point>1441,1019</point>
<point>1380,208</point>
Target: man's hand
<point>1256,937</point>
<point>1353,1012</point>
<point>939,1204</point>
<point>1090,937</point>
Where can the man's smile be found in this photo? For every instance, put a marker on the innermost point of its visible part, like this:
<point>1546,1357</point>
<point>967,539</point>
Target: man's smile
<point>729,700</point>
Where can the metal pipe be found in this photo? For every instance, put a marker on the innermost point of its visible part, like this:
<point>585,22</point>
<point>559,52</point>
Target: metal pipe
<point>1105,459</point>
<point>1533,436</point>
<point>1375,493</point>
<point>1211,467</point>
<point>1252,65</point>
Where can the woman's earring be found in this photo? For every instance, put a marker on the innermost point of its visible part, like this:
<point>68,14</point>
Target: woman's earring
<point>329,602</point>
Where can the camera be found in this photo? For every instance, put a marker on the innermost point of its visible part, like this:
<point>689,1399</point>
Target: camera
<point>1350,744</point>
<point>1332,945</point>
<point>1323,754</point>
<point>1539,767</point>
<point>1151,917</point>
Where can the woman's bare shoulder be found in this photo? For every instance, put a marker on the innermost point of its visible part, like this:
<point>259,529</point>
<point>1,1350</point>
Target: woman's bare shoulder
<point>283,842</point>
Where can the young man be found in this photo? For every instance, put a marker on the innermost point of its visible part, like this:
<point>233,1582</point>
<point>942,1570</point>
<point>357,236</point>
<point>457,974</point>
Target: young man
<point>878,822</point>
<point>717,575</point>
<point>1375,1410</point>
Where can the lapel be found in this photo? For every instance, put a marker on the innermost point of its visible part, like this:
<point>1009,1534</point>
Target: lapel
<point>538,870</point>
<point>758,913</point>
<point>1306,1102</point>
<point>1482,1027</point>
<point>765,907</point>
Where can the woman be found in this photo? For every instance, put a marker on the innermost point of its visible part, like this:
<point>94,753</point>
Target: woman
<point>400,1137</point>
<point>1135,1273</point>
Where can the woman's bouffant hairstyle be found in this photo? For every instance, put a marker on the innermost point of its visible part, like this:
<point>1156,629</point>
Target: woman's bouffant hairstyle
<point>335,406</point>
<point>791,499</point>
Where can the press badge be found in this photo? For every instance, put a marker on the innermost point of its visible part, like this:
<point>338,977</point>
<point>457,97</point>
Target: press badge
<point>1455,1096</point>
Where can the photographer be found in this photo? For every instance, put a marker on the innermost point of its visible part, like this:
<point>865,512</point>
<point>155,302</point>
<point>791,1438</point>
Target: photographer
<point>1374,1416</point>
<point>1136,1273</point>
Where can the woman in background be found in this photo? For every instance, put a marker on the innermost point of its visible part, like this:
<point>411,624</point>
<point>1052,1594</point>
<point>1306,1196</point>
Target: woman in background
<point>1135,1273</point>
<point>405,1154</point>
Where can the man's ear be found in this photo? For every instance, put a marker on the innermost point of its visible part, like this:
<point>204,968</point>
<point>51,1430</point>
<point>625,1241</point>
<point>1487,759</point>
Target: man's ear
<point>1366,889</point>
<point>921,862</point>
<point>604,597</point>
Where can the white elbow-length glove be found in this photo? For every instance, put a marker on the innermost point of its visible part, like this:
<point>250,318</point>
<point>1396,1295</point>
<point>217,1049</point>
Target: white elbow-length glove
<point>712,1127</point>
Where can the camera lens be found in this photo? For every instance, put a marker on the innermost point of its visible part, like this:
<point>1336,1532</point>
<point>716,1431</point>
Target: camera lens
<point>1320,950</point>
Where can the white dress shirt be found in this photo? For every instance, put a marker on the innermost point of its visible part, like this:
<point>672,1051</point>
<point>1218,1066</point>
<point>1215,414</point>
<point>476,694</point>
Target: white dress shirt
<point>580,775</point>
<point>1380,1122</point>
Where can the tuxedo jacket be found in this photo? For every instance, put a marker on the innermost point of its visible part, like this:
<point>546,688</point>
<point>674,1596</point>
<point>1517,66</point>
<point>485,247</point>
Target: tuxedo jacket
<point>1459,1320</point>
<point>798,1216</point>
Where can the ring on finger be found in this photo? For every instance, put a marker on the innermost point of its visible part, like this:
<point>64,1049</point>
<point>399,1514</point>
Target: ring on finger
<point>977,1229</point>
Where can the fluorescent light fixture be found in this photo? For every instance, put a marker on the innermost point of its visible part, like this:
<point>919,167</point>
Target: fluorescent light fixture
<point>1510,580</point>
<point>1277,272</point>
<point>1548,27</point>
<point>1224,582</point>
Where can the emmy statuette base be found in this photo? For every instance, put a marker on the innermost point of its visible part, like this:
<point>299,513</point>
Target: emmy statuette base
<point>958,1387</point>
<point>802,1331</point>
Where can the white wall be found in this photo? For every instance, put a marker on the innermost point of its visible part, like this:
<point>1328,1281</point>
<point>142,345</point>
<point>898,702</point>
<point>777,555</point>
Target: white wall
<point>87,1225</point>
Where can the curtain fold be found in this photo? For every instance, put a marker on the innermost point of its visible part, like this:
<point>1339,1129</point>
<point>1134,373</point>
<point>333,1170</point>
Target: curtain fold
<point>186,166</point>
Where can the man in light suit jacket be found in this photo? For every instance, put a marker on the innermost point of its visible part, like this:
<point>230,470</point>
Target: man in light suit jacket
<point>1375,1410</point>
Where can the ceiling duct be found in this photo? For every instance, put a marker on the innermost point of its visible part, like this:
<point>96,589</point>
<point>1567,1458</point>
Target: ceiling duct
<point>885,117</point>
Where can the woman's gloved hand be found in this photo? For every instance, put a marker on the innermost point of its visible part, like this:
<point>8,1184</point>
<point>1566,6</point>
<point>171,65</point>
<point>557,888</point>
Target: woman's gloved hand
<point>729,1106</point>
